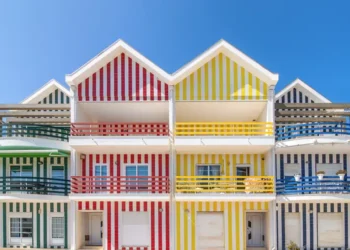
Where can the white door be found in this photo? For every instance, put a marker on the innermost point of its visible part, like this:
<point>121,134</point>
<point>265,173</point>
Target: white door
<point>95,229</point>
<point>293,228</point>
<point>255,230</point>
<point>210,231</point>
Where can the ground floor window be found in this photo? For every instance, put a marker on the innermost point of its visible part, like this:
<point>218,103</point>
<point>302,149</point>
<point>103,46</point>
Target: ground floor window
<point>21,229</point>
<point>135,223</point>
<point>330,230</point>
<point>57,229</point>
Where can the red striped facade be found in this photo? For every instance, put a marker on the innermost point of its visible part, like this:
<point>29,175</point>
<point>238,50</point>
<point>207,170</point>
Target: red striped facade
<point>122,79</point>
<point>159,221</point>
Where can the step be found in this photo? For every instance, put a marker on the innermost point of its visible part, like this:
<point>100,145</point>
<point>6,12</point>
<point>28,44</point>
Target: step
<point>91,248</point>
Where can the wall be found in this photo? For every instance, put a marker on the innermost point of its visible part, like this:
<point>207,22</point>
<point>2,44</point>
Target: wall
<point>41,225</point>
<point>55,97</point>
<point>221,79</point>
<point>309,213</point>
<point>159,221</point>
<point>122,79</point>
<point>234,217</point>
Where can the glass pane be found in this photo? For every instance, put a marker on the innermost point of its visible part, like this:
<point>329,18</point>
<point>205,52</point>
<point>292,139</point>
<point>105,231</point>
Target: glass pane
<point>15,171</point>
<point>27,171</point>
<point>97,170</point>
<point>57,227</point>
<point>104,170</point>
<point>131,171</point>
<point>243,171</point>
<point>142,171</point>
<point>58,172</point>
<point>203,170</point>
<point>15,227</point>
<point>214,170</point>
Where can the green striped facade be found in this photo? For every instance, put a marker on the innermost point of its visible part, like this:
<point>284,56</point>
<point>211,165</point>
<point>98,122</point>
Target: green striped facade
<point>55,97</point>
<point>41,214</point>
<point>41,165</point>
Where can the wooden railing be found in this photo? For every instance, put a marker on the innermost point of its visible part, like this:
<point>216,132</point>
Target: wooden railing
<point>225,184</point>
<point>119,129</point>
<point>34,185</point>
<point>224,129</point>
<point>119,184</point>
<point>34,130</point>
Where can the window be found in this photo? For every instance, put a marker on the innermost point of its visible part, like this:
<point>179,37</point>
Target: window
<point>242,170</point>
<point>330,230</point>
<point>21,229</point>
<point>57,173</point>
<point>135,223</point>
<point>208,170</point>
<point>101,170</point>
<point>136,171</point>
<point>330,169</point>
<point>21,177</point>
<point>57,227</point>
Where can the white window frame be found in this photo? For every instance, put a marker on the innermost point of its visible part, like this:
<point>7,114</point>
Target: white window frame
<point>54,241</point>
<point>136,164</point>
<point>28,241</point>
<point>342,229</point>
<point>21,165</point>
<point>121,244</point>
<point>55,165</point>
<point>101,164</point>
<point>249,166</point>
<point>209,164</point>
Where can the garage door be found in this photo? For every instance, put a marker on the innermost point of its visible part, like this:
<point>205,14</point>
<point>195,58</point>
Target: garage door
<point>330,230</point>
<point>210,231</point>
<point>293,228</point>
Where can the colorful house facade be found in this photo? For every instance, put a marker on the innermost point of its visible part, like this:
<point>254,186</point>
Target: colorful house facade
<point>206,158</point>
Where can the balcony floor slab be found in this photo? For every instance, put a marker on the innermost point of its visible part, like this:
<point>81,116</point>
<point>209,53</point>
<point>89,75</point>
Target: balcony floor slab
<point>225,197</point>
<point>342,198</point>
<point>120,197</point>
<point>33,198</point>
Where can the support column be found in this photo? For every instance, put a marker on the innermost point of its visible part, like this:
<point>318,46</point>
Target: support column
<point>272,209</point>
<point>270,114</point>
<point>72,226</point>
<point>73,103</point>
<point>172,164</point>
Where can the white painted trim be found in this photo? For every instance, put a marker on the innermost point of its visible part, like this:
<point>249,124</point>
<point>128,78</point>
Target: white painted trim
<point>124,165</point>
<point>34,142</point>
<point>225,197</point>
<point>298,82</point>
<point>120,197</point>
<point>220,47</point>
<point>33,198</point>
<point>45,90</point>
<point>310,198</point>
<point>100,164</point>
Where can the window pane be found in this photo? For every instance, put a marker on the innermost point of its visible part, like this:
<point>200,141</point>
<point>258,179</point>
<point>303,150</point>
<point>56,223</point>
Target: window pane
<point>97,170</point>
<point>202,170</point>
<point>214,170</point>
<point>58,172</point>
<point>103,170</point>
<point>130,171</point>
<point>57,227</point>
<point>15,171</point>
<point>243,171</point>
<point>15,227</point>
<point>142,170</point>
<point>27,227</point>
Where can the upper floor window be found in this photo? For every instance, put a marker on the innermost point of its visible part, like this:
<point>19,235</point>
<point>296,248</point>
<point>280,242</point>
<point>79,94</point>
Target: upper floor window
<point>208,170</point>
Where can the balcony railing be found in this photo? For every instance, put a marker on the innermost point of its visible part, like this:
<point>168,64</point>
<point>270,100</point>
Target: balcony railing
<point>312,185</point>
<point>119,129</point>
<point>34,130</point>
<point>312,129</point>
<point>34,185</point>
<point>224,129</point>
<point>119,184</point>
<point>225,184</point>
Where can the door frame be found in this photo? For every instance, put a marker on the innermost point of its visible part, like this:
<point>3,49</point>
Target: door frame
<point>264,226</point>
<point>90,227</point>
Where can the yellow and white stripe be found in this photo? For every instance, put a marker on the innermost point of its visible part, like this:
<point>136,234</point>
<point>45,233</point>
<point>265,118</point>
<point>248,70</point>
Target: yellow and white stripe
<point>221,79</point>
<point>234,217</point>
<point>186,163</point>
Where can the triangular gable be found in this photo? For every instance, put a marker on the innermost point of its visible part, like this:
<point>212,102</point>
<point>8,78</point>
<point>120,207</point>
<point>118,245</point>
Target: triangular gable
<point>223,79</point>
<point>51,93</point>
<point>299,92</point>
<point>123,78</point>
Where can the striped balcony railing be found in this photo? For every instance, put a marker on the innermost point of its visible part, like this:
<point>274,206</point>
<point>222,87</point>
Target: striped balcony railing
<point>225,184</point>
<point>34,185</point>
<point>224,129</point>
<point>119,184</point>
<point>312,129</point>
<point>34,130</point>
<point>119,129</point>
<point>312,185</point>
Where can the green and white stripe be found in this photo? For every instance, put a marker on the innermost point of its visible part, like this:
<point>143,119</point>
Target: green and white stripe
<point>55,97</point>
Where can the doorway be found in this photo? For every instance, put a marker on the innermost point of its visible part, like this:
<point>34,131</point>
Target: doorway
<point>96,229</point>
<point>255,229</point>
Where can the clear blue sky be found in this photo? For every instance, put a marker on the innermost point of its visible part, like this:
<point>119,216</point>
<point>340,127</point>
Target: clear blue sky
<point>42,39</point>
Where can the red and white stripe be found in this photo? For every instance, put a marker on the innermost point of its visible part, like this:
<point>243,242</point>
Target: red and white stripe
<point>112,211</point>
<point>158,163</point>
<point>122,79</point>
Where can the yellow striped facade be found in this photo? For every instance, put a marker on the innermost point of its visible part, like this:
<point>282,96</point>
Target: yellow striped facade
<point>221,79</point>
<point>186,163</point>
<point>234,217</point>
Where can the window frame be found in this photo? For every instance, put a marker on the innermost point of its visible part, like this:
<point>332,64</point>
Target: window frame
<point>125,165</point>
<point>209,164</point>
<point>20,240</point>
<point>248,166</point>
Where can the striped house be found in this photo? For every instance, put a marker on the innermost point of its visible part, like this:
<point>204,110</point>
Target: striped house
<point>35,170</point>
<point>312,201</point>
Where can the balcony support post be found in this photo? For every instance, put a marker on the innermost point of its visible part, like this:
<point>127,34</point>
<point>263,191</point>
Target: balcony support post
<point>72,226</point>
<point>270,157</point>
<point>271,105</point>
<point>73,99</point>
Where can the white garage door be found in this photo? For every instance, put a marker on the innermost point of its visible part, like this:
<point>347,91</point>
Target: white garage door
<point>293,228</point>
<point>330,169</point>
<point>330,230</point>
<point>210,231</point>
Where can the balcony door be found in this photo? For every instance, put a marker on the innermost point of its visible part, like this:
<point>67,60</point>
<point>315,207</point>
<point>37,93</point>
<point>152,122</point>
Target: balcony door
<point>21,178</point>
<point>242,170</point>
<point>58,182</point>
<point>101,181</point>
<point>134,174</point>
<point>207,173</point>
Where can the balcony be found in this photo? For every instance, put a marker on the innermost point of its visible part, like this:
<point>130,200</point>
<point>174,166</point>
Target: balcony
<point>252,137</point>
<point>119,186</point>
<point>34,185</point>
<point>312,185</point>
<point>111,137</point>
<point>225,186</point>
<point>11,130</point>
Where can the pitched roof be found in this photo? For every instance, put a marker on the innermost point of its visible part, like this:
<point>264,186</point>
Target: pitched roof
<point>46,89</point>
<point>299,83</point>
<point>220,47</point>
